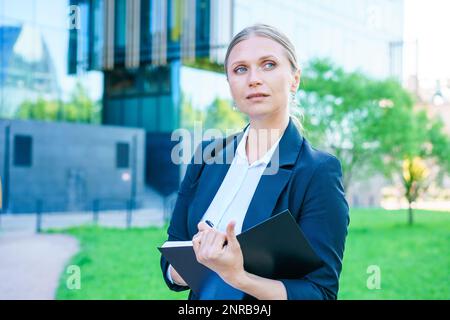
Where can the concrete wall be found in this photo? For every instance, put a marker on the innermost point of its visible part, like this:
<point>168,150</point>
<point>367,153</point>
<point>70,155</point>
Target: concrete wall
<point>72,165</point>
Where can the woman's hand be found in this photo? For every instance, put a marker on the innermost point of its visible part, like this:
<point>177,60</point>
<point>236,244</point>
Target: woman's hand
<point>220,252</point>
<point>177,279</point>
<point>228,262</point>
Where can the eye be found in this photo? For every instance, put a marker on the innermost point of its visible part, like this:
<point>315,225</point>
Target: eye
<point>269,65</point>
<point>240,70</point>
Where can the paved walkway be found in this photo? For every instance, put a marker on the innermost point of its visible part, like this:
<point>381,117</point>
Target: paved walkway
<point>31,264</point>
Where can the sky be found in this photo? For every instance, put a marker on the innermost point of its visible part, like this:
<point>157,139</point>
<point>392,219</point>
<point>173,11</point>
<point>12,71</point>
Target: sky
<point>428,21</point>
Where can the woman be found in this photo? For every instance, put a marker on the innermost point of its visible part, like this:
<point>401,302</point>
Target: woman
<point>268,174</point>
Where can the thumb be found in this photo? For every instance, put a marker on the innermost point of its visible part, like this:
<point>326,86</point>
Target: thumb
<point>231,235</point>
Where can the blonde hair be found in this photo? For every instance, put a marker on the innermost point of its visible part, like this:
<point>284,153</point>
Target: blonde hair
<point>266,31</point>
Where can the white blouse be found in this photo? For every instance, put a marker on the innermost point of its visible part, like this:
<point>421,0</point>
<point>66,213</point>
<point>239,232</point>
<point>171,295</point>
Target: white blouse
<point>236,191</point>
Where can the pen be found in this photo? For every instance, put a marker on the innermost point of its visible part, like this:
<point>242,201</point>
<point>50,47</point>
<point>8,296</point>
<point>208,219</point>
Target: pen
<point>209,223</point>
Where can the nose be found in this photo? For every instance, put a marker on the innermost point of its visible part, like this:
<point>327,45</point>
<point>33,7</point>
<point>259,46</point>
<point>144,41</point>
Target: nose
<point>254,79</point>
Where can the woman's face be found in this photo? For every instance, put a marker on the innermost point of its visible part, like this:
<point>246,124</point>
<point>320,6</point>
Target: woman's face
<point>261,77</point>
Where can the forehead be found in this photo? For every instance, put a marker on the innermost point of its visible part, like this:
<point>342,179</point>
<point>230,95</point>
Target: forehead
<point>255,47</point>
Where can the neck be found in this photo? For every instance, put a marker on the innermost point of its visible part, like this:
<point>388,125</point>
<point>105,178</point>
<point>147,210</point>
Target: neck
<point>273,121</point>
<point>263,133</point>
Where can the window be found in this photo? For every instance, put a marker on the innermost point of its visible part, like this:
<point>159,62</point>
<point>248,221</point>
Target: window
<point>23,150</point>
<point>202,28</point>
<point>121,82</point>
<point>120,29</point>
<point>122,155</point>
<point>146,36</point>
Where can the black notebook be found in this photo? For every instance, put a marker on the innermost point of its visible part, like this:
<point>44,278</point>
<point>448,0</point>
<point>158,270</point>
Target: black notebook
<point>275,248</point>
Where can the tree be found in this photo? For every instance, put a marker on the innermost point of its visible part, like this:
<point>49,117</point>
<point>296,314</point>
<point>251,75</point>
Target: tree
<point>372,127</point>
<point>220,115</point>
<point>39,110</point>
<point>189,114</point>
<point>345,114</point>
<point>440,143</point>
<point>414,177</point>
<point>80,108</point>
<point>420,144</point>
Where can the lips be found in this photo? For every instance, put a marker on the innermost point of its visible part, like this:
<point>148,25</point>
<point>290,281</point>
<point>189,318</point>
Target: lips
<point>257,95</point>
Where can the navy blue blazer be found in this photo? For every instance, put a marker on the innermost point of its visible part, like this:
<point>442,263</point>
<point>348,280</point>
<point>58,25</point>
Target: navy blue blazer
<point>308,183</point>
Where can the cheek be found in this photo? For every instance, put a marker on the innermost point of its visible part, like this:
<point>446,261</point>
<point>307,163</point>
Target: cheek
<point>276,78</point>
<point>280,88</point>
<point>235,88</point>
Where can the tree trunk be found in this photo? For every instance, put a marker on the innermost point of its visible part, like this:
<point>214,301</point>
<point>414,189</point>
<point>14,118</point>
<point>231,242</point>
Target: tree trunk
<point>410,214</point>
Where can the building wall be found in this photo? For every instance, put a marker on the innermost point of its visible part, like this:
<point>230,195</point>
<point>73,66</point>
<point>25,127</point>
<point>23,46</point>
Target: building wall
<point>71,166</point>
<point>355,34</point>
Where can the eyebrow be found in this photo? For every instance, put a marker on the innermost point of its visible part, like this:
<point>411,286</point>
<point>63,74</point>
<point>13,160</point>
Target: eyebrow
<point>262,58</point>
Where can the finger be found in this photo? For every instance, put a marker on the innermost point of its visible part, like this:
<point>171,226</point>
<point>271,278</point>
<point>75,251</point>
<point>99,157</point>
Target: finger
<point>203,246</point>
<point>197,236</point>
<point>207,239</point>
<point>196,241</point>
<point>218,243</point>
<point>231,234</point>
<point>214,246</point>
<point>202,226</point>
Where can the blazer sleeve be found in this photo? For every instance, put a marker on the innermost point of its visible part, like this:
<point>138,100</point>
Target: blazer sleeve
<point>178,227</point>
<point>324,218</point>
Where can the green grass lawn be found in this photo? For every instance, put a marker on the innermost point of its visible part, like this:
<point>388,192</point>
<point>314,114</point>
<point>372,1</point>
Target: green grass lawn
<point>414,261</point>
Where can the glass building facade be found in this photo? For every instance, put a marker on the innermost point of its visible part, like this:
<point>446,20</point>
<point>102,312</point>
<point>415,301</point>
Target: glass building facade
<point>34,55</point>
<point>24,74</point>
<point>141,45</point>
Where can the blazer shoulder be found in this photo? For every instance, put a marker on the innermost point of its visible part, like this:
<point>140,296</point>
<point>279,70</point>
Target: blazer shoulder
<point>316,158</point>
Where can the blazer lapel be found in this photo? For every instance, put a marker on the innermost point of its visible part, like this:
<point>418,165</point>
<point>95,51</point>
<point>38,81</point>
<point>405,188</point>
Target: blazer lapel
<point>270,186</point>
<point>265,198</point>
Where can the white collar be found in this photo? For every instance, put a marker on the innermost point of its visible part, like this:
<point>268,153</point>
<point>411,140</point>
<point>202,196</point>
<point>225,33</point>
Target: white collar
<point>242,154</point>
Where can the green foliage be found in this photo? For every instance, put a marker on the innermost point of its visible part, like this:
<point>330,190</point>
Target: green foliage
<point>205,64</point>
<point>40,110</point>
<point>124,264</point>
<point>220,115</point>
<point>410,136</point>
<point>440,143</point>
<point>343,115</point>
<point>370,125</point>
<point>79,108</point>
<point>189,114</point>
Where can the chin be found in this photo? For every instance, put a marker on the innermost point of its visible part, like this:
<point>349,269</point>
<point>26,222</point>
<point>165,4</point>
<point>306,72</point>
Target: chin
<point>258,115</point>
<point>257,111</point>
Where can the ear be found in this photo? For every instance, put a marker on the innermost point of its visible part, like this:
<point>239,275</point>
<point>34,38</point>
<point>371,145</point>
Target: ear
<point>296,80</point>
